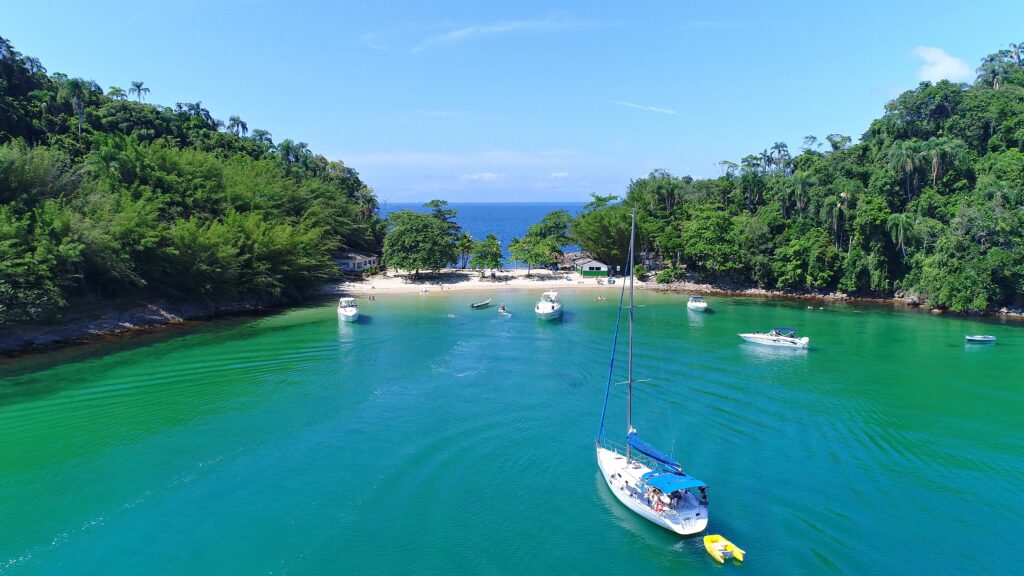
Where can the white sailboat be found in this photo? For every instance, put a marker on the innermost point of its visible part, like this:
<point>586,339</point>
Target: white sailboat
<point>645,479</point>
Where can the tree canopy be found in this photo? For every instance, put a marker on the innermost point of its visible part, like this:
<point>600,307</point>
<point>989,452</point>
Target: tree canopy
<point>103,195</point>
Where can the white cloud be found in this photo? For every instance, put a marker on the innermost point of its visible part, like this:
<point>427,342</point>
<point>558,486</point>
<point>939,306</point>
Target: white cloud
<point>559,175</point>
<point>481,177</point>
<point>941,66</point>
<point>668,111</point>
<point>467,32</point>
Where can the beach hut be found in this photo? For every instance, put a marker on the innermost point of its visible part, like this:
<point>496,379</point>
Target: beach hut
<point>590,267</point>
<point>355,261</point>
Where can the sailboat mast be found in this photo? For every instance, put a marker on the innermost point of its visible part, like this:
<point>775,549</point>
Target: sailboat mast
<point>629,372</point>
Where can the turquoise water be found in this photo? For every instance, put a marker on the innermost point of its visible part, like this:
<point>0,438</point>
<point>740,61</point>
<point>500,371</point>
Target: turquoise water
<point>417,443</point>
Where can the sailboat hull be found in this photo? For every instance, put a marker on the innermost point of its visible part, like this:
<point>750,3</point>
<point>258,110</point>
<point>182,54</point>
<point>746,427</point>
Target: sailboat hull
<point>623,477</point>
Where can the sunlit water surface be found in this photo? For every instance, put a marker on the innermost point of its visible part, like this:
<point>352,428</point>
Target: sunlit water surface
<point>417,443</point>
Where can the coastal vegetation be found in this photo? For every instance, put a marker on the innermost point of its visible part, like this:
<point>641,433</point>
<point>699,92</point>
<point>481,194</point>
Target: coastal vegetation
<point>929,203</point>
<point>103,195</point>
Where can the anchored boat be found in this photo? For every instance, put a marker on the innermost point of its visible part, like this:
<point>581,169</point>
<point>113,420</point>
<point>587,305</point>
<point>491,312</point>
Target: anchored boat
<point>646,480</point>
<point>697,303</point>
<point>347,310</point>
<point>785,337</point>
<point>549,307</point>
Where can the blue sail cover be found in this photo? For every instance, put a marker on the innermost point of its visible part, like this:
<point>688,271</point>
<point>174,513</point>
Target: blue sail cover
<point>669,481</point>
<point>651,451</point>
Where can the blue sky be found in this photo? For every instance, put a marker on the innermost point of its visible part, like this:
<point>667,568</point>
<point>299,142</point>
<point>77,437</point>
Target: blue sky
<point>527,100</point>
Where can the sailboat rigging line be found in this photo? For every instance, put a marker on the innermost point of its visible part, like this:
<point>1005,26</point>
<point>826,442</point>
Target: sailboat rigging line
<point>629,363</point>
<point>615,341</point>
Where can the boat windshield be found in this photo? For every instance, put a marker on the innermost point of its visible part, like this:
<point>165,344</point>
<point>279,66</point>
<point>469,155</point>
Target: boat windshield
<point>790,332</point>
<point>346,302</point>
<point>549,297</point>
<point>696,298</point>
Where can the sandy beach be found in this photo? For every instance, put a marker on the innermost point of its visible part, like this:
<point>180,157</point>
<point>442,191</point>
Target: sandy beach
<point>470,280</point>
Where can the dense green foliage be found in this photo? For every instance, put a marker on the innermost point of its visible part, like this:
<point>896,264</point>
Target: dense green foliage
<point>486,254</point>
<point>930,201</point>
<point>417,241</point>
<point>104,196</point>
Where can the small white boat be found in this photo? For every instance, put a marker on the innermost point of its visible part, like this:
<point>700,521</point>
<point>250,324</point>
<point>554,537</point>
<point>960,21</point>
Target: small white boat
<point>347,310</point>
<point>549,307</point>
<point>481,304</point>
<point>784,337</point>
<point>979,339</point>
<point>697,304</point>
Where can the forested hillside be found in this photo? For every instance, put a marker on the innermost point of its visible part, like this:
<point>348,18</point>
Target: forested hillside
<point>929,202</point>
<point>104,195</point>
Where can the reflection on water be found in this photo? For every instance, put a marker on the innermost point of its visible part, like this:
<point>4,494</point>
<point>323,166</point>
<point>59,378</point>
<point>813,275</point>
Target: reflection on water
<point>764,353</point>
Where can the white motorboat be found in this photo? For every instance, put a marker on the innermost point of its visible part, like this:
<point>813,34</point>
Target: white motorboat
<point>697,303</point>
<point>347,310</point>
<point>644,479</point>
<point>549,307</point>
<point>783,337</point>
<point>979,339</point>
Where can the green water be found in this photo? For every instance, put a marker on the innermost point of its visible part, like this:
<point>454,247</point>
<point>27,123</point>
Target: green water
<point>417,443</point>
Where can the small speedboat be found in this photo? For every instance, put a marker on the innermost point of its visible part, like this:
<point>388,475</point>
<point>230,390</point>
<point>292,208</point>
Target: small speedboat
<point>549,307</point>
<point>479,305</point>
<point>979,339</point>
<point>697,304</point>
<point>785,337</point>
<point>719,548</point>
<point>347,310</point>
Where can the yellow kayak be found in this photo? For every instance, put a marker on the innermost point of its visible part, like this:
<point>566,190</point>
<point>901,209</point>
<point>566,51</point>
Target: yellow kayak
<point>720,548</point>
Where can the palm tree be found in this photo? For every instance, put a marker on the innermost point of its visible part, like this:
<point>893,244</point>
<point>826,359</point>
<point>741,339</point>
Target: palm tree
<point>801,184</point>
<point>74,90</point>
<point>992,69</point>
<point>902,227</point>
<point>903,158</point>
<point>117,93</point>
<point>464,245</point>
<point>1015,52</point>
<point>766,160</point>
<point>940,152</point>
<point>139,90</point>
<point>237,126</point>
<point>780,156</point>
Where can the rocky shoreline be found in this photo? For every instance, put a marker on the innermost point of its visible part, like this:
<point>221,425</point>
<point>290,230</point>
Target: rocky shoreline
<point>99,322</point>
<point>899,300</point>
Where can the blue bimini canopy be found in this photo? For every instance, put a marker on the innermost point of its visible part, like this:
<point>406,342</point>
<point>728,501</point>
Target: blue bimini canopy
<point>651,451</point>
<point>668,481</point>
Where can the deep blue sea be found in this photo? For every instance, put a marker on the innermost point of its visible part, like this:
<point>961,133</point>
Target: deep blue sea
<point>505,220</point>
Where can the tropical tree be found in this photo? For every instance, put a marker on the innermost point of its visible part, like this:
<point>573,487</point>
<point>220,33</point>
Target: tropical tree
<point>992,71</point>
<point>237,126</point>
<point>902,228</point>
<point>417,242</point>
<point>117,93</point>
<point>939,153</point>
<point>903,159</point>
<point>535,252</point>
<point>464,246</point>
<point>838,141</point>
<point>487,254</point>
<point>75,91</point>
<point>139,90</point>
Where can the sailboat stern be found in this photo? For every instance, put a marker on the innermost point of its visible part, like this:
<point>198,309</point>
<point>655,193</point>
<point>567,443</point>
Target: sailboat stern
<point>685,513</point>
